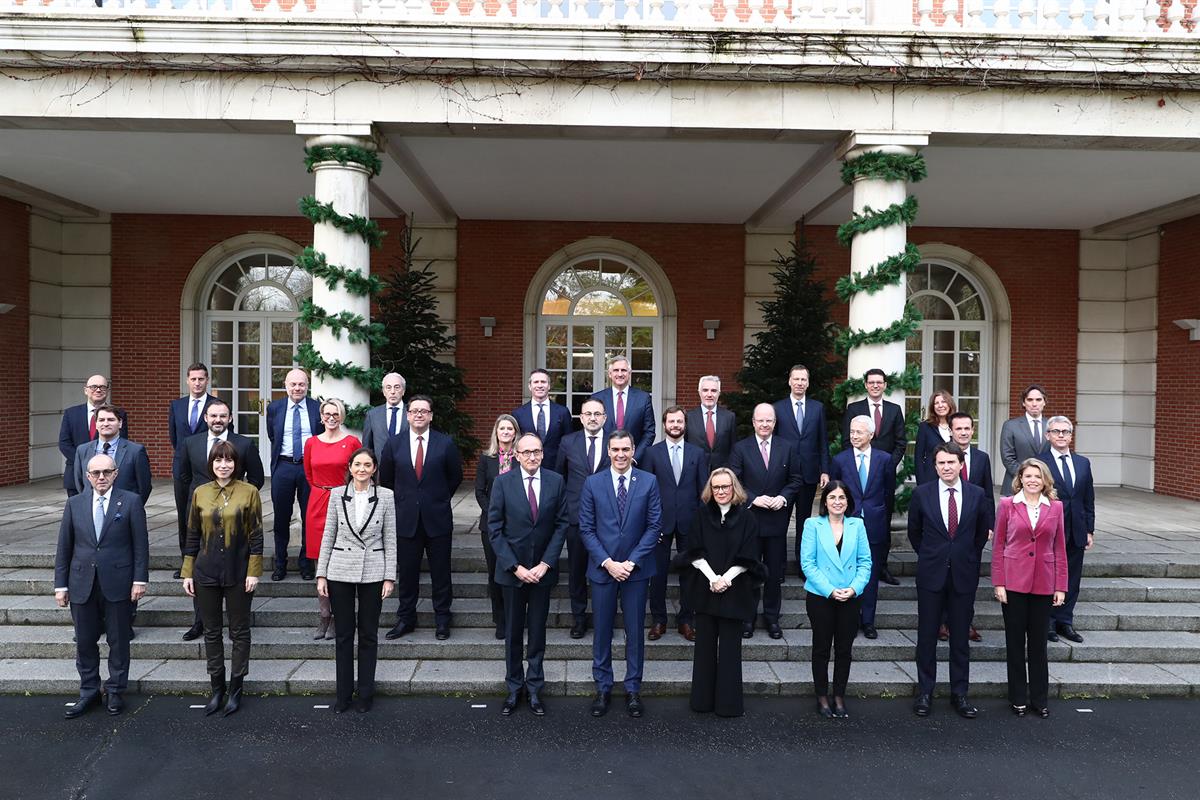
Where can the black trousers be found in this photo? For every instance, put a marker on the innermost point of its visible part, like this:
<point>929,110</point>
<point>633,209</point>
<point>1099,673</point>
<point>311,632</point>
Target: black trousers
<point>804,506</point>
<point>346,621</point>
<point>288,485</point>
<point>773,553</point>
<point>408,575</point>
<point>526,608</point>
<point>658,584</point>
<point>870,594</point>
<point>577,564</point>
<point>494,589</point>
<point>1065,614</point>
<point>181,510</point>
<point>236,601</point>
<point>833,623</point>
<point>1025,619</point>
<point>717,666</point>
<point>95,616</point>
<point>960,609</point>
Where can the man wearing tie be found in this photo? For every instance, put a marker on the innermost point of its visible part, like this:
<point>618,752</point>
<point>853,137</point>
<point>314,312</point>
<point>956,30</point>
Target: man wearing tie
<point>133,465</point>
<point>1024,436</point>
<point>802,421</point>
<point>711,427</point>
<point>628,409</point>
<point>976,469</point>
<point>580,455</point>
<point>549,420</point>
<point>385,421</point>
<point>291,421</point>
<point>101,567</point>
<point>79,426</point>
<point>619,517</point>
<point>948,524</point>
<point>681,469</point>
<point>185,417</point>
<point>527,523</point>
<point>1073,481</point>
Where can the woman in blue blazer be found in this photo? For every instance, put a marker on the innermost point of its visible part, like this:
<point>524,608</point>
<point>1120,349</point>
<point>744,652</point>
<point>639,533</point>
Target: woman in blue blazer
<point>932,431</point>
<point>836,559</point>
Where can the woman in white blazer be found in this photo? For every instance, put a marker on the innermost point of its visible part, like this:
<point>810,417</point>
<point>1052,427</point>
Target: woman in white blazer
<point>836,558</point>
<point>358,565</point>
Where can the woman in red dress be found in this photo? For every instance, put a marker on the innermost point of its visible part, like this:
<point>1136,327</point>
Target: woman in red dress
<point>326,457</point>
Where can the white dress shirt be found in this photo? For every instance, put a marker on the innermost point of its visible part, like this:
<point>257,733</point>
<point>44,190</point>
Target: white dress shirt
<point>1033,510</point>
<point>412,445</point>
<point>1058,454</point>
<point>944,499</point>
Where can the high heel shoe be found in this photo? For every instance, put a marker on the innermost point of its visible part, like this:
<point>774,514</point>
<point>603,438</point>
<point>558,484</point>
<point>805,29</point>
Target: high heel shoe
<point>235,697</point>
<point>839,709</point>
<point>218,695</point>
<point>322,628</point>
<point>1018,710</point>
<point>823,708</point>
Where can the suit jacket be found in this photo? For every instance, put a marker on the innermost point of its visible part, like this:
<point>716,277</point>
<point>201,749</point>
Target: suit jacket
<point>572,464</point>
<point>191,462</point>
<point>870,505</point>
<point>639,418</point>
<point>74,431</point>
<point>826,569</point>
<point>178,422</point>
<point>1025,559</point>
<point>558,425</point>
<point>1079,501</point>
<point>133,468</point>
<point>606,534</point>
<point>486,472</point>
<point>725,424</point>
<point>979,472</point>
<point>1016,445</point>
<point>812,444</point>
<point>425,501</point>
<point>517,538</point>
<point>679,500</point>
<point>354,553</point>
<point>937,554</point>
<point>375,426</point>
<point>275,424</point>
<point>781,477</point>
<point>892,437</point>
<point>928,440</point>
<point>120,557</point>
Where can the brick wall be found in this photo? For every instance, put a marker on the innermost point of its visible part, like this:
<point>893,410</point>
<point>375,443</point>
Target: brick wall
<point>1178,383</point>
<point>14,333</point>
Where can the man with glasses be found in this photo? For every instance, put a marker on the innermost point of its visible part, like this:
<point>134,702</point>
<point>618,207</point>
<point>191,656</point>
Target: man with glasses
<point>424,470</point>
<point>1073,481</point>
<point>133,465</point>
<point>291,421</point>
<point>79,426</point>
<point>527,523</point>
<point>388,420</point>
<point>1024,436</point>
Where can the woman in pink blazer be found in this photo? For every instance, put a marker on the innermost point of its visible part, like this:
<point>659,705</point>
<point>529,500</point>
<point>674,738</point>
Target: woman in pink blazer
<point>1029,572</point>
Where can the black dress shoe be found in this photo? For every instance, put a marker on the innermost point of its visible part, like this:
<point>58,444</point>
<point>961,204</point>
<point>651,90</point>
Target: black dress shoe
<point>536,706</point>
<point>774,631</point>
<point>633,705</point>
<point>600,704</point>
<point>132,634</point>
<point>1069,633</point>
<point>1041,711</point>
<point>194,632</point>
<point>888,578</point>
<point>279,574</point>
<point>922,705</point>
<point>1018,710</point>
<point>81,705</point>
<point>363,704</point>
<point>747,631</point>
<point>1051,637</point>
<point>499,631</point>
<point>579,628</point>
<point>962,706</point>
<point>178,574</point>
<point>442,632</point>
<point>341,706</point>
<point>870,632</point>
<point>115,704</point>
<point>400,629</point>
<point>510,704</point>
<point>308,573</point>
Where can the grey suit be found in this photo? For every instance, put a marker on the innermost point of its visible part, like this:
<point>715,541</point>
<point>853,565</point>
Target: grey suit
<point>375,427</point>
<point>359,555</point>
<point>1016,445</point>
<point>133,467</point>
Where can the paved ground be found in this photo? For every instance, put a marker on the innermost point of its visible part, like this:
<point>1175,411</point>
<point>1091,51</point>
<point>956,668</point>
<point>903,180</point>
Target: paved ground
<point>280,747</point>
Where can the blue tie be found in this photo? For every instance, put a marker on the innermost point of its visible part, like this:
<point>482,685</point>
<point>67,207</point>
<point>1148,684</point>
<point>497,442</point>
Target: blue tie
<point>622,497</point>
<point>862,471</point>
<point>800,415</point>
<point>99,520</point>
<point>195,417</point>
<point>541,422</point>
<point>297,442</point>
<point>1068,484</point>
<point>392,424</point>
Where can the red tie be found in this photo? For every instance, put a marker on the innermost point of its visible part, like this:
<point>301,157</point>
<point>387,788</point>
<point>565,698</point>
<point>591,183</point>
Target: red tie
<point>533,506</point>
<point>92,427</point>
<point>963,471</point>
<point>711,430</point>
<point>621,410</point>
<point>419,464</point>
<point>951,515</point>
<point>878,419</point>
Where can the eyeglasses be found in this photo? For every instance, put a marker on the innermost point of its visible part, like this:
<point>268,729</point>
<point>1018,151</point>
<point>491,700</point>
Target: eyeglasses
<point>419,412</point>
<point>102,473</point>
<point>96,387</point>
<point>724,487</point>
<point>591,414</point>
<point>529,452</point>
<point>1059,431</point>
<point>330,415</point>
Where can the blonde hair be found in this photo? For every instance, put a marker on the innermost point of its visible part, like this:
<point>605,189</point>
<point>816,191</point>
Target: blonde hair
<point>1047,479</point>
<point>739,494</point>
<point>338,404</point>
<point>494,444</point>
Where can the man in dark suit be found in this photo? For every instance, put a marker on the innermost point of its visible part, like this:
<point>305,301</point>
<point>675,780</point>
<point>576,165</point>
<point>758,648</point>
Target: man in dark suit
<point>424,470</point>
<point>100,568</point>
<point>891,436</point>
<point>133,465</point>
<point>79,426</point>
<point>710,427</point>
<point>291,421</point>
<point>1073,481</point>
<point>681,469</point>
<point>388,420</point>
<point>580,455</point>
<point>549,420</point>
<point>802,421</point>
<point>948,524</point>
<point>976,469</point>
<point>185,417</point>
<point>1024,436</point>
<point>869,474</point>
<point>527,523</point>
<point>620,515</point>
<point>766,465</point>
<point>627,408</point>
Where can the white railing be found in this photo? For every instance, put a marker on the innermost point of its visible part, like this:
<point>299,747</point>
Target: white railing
<point>1113,17</point>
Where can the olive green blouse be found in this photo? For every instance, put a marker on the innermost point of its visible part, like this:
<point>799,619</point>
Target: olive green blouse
<point>225,535</point>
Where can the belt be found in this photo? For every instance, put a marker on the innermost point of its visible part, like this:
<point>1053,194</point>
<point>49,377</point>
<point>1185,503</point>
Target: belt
<point>291,460</point>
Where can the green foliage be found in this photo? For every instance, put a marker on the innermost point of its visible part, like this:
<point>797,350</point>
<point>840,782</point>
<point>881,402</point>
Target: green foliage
<point>885,166</point>
<point>888,272</point>
<point>357,329</point>
<point>343,154</point>
<point>899,330</point>
<point>318,212</point>
<point>869,219</point>
<point>314,264</point>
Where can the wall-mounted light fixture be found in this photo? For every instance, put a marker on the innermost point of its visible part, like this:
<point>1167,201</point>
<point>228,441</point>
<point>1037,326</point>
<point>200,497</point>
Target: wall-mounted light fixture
<point>6,307</point>
<point>488,323</point>
<point>1192,326</point>
<point>711,326</point>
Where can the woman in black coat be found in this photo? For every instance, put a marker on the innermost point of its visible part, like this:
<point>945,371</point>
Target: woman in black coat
<point>932,432</point>
<point>720,572</point>
<point>499,458</point>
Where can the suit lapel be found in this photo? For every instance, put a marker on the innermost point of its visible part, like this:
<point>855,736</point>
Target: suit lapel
<point>825,537</point>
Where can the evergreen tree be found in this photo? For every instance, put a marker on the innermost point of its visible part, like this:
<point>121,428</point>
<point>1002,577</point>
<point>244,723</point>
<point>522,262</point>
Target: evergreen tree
<point>416,336</point>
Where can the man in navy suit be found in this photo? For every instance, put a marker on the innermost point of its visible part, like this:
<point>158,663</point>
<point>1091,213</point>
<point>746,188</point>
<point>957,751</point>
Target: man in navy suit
<point>620,514</point>
<point>869,473</point>
<point>527,523</point>
<point>976,469</point>
<point>681,469</point>
<point>802,421</point>
<point>133,465</point>
<point>766,465</point>
<point>101,567</point>
<point>1073,481</point>
<point>948,524</point>
<point>710,427</point>
<point>549,420</point>
<point>628,409</point>
<point>291,421</point>
<point>424,469</point>
<point>185,417</point>
<point>79,426</point>
<point>580,455</point>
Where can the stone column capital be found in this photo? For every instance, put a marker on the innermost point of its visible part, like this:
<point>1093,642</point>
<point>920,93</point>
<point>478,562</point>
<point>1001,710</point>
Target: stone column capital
<point>355,134</point>
<point>855,143</point>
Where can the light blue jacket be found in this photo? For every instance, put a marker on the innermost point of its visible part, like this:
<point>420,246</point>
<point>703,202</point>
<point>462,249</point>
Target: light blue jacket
<point>825,569</point>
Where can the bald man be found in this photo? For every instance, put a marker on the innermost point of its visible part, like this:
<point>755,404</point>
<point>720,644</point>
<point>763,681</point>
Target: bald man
<point>291,421</point>
<point>79,426</point>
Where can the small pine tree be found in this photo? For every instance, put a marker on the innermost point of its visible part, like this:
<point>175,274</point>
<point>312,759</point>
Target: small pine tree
<point>798,331</point>
<point>408,310</point>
